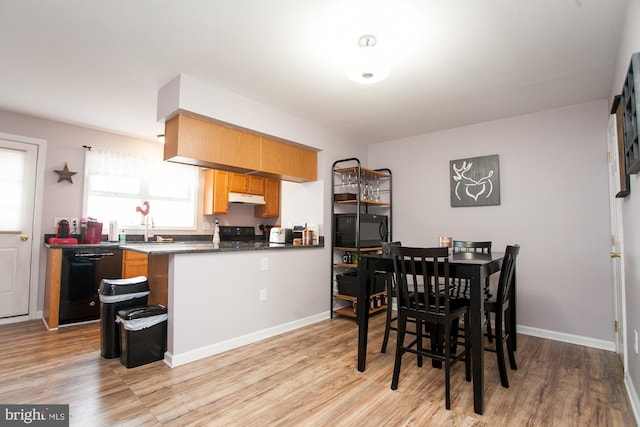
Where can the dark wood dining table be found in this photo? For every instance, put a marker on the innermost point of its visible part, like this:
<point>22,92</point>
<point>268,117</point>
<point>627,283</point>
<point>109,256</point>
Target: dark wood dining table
<point>465,265</point>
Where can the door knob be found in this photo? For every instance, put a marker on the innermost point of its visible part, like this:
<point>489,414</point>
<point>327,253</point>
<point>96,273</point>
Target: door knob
<point>24,237</point>
<point>615,254</point>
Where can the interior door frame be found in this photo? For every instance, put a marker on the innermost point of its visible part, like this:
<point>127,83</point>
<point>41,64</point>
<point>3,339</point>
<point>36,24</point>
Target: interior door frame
<point>617,243</point>
<point>36,244</point>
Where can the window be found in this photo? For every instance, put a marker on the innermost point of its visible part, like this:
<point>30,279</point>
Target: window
<point>12,171</point>
<point>117,183</point>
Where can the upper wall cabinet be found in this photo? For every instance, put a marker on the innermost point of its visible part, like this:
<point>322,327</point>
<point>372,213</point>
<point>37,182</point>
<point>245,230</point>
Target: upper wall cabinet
<point>216,192</point>
<point>202,143</point>
<point>218,184</point>
<point>198,142</point>
<point>248,184</point>
<point>271,207</point>
<point>289,162</point>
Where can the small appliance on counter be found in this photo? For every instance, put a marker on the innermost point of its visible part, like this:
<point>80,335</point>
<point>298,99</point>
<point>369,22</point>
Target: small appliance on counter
<point>91,232</point>
<point>281,235</point>
<point>304,235</point>
<point>266,231</point>
<point>297,231</point>
<point>63,235</point>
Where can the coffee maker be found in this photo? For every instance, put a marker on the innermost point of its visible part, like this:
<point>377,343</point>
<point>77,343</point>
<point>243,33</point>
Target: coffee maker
<point>91,231</point>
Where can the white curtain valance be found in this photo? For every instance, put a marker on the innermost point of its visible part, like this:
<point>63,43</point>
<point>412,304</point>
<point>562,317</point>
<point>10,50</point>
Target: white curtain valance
<point>108,163</point>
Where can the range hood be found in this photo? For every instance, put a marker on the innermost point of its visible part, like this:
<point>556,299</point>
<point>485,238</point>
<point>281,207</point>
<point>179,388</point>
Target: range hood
<point>249,199</point>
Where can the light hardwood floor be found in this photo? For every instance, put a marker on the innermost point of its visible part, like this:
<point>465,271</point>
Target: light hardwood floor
<point>306,378</point>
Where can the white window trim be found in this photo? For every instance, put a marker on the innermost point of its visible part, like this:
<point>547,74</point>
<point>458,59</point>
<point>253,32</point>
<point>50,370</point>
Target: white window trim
<point>139,228</point>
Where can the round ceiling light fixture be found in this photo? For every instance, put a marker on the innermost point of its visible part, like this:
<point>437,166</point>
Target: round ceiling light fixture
<point>368,63</point>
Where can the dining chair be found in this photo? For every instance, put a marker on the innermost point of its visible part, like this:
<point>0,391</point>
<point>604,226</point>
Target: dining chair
<point>391,294</point>
<point>470,246</point>
<point>461,287</point>
<point>422,285</point>
<point>499,306</point>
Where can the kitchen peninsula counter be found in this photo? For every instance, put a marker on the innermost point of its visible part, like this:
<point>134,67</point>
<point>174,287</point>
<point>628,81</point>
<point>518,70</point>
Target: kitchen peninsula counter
<point>153,248</point>
<point>222,296</point>
<point>227,295</point>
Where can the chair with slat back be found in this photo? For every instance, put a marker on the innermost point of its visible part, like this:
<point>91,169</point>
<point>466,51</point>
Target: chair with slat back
<point>461,287</point>
<point>391,294</point>
<point>499,306</point>
<point>422,285</point>
<point>469,246</point>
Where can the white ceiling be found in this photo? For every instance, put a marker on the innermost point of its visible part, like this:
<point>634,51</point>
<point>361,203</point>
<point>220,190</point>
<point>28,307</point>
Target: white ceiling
<point>453,62</point>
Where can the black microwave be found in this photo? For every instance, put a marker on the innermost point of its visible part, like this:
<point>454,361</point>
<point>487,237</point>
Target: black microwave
<point>374,230</point>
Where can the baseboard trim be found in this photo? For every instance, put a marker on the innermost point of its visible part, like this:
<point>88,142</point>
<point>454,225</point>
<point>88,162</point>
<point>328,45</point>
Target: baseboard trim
<point>568,338</point>
<point>15,319</point>
<point>23,318</point>
<point>174,360</point>
<point>633,397</point>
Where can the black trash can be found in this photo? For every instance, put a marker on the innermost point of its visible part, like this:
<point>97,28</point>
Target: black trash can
<point>143,335</point>
<point>116,295</point>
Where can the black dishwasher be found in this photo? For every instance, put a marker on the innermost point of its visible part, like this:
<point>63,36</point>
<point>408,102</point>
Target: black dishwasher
<point>82,271</point>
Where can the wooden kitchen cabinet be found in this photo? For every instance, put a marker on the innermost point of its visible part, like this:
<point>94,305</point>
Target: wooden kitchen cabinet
<point>158,279</point>
<point>154,267</point>
<point>134,264</point>
<point>248,184</point>
<point>240,149</point>
<point>271,207</point>
<point>51,309</point>
<point>217,185</point>
<point>198,142</point>
<point>216,192</point>
<point>290,162</point>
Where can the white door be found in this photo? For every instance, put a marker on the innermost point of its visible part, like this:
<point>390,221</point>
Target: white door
<point>18,163</point>
<point>617,261</point>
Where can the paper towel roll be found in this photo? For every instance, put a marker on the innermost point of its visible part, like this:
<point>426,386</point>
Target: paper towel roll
<point>113,231</point>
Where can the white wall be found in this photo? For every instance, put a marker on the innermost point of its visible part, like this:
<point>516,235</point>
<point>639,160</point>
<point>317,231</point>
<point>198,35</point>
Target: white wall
<point>217,304</point>
<point>629,44</point>
<point>554,203</point>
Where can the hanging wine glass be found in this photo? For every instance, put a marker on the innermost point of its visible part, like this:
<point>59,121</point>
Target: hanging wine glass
<point>353,183</point>
<point>345,184</point>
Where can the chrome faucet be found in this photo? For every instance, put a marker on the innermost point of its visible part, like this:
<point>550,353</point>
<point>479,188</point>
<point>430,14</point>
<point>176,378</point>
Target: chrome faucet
<point>148,218</point>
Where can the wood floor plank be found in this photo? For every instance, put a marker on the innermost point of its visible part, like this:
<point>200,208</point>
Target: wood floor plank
<point>306,377</point>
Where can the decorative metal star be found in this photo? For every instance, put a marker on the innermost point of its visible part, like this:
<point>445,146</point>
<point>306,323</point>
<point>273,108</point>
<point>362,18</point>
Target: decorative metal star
<point>65,174</point>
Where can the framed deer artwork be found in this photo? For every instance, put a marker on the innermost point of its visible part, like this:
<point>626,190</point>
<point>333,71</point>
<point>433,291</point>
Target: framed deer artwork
<point>475,181</point>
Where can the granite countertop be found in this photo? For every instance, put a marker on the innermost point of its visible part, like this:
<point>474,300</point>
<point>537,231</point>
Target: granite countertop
<point>182,247</point>
<point>113,245</point>
<point>153,248</point>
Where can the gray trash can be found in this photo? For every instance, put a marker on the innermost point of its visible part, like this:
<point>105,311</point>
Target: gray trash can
<point>116,295</point>
<point>143,335</point>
